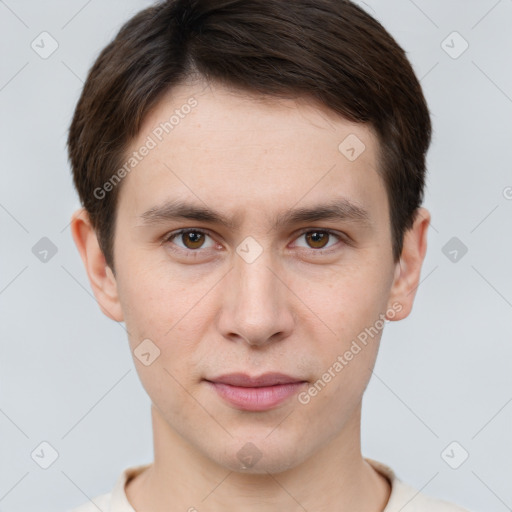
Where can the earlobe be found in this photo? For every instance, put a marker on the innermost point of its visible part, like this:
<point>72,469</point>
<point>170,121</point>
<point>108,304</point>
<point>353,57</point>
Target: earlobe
<point>408,269</point>
<point>102,279</point>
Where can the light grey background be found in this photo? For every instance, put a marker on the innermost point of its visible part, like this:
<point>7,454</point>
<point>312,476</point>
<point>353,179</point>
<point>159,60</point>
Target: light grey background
<point>444,373</point>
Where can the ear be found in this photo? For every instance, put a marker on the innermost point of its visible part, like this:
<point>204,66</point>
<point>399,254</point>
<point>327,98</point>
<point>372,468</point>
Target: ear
<point>408,268</point>
<point>101,277</point>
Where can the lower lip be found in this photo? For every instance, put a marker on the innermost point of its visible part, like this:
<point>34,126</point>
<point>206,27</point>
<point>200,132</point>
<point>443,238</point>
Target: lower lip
<point>256,399</point>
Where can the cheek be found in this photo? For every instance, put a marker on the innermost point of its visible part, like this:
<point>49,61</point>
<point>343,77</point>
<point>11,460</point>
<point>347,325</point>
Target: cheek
<point>350,314</point>
<point>153,304</point>
<point>156,313</point>
<point>342,380</point>
<point>169,392</point>
<point>348,299</point>
<point>169,312</point>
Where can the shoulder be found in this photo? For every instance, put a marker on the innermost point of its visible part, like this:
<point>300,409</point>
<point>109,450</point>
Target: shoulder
<point>115,500</point>
<point>405,498</point>
<point>409,499</point>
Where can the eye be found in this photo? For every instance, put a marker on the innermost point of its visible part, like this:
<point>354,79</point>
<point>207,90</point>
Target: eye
<point>318,239</point>
<point>192,239</point>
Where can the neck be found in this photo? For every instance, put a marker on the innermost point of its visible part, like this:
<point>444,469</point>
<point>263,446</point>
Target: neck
<point>335,478</point>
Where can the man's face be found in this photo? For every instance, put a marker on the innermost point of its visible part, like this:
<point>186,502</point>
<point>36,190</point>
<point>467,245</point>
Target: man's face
<point>268,293</point>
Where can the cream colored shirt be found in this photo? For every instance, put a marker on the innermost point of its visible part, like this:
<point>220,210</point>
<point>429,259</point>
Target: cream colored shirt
<point>402,499</point>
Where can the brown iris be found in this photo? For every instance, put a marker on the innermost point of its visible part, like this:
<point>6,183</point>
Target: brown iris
<point>317,239</point>
<point>194,238</point>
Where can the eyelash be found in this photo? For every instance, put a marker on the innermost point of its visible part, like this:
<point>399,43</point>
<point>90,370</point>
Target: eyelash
<point>192,253</point>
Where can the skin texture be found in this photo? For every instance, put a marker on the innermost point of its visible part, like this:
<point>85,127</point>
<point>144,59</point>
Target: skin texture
<point>293,310</point>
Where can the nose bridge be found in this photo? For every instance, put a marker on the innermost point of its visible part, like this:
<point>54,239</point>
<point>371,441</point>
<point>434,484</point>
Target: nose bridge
<point>255,307</point>
<point>256,283</point>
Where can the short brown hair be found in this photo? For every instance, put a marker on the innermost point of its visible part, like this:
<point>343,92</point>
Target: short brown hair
<point>330,51</point>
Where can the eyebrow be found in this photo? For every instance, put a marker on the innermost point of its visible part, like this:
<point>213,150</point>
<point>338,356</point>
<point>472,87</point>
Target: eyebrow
<point>339,209</point>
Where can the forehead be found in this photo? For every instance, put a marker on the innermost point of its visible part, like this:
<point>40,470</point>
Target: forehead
<point>234,151</point>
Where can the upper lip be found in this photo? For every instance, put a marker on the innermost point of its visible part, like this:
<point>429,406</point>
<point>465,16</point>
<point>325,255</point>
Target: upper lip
<point>246,381</point>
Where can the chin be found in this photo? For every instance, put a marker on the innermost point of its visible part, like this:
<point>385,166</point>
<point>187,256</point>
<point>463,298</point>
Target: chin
<point>259,457</point>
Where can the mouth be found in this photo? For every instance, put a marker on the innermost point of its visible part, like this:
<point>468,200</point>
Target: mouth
<point>261,393</point>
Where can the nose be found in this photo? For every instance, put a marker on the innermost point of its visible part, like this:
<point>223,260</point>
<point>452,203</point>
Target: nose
<point>256,302</point>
